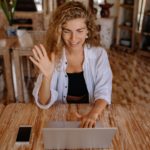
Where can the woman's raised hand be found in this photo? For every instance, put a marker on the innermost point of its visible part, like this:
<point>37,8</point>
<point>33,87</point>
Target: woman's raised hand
<point>41,60</point>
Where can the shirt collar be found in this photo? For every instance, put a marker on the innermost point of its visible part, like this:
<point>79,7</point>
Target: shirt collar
<point>64,58</point>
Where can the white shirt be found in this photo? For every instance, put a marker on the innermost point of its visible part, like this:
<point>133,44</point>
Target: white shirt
<point>97,74</point>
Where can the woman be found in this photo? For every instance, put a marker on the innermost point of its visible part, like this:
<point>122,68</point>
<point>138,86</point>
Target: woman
<point>77,69</point>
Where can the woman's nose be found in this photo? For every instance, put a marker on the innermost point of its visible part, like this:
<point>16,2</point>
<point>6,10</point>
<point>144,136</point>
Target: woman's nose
<point>73,37</point>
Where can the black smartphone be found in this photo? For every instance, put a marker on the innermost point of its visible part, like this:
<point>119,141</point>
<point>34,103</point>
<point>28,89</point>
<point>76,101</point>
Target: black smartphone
<point>24,134</point>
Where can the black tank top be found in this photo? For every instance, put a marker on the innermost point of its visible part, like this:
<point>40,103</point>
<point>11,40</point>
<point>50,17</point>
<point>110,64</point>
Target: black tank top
<point>77,88</point>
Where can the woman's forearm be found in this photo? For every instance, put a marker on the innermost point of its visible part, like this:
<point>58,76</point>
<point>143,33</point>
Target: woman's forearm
<point>98,107</point>
<point>44,92</point>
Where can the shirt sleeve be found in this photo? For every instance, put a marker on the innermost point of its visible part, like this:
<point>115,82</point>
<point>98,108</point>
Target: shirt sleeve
<point>54,93</point>
<point>103,87</point>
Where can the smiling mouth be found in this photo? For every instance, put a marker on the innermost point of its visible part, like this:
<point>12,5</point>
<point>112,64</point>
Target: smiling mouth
<point>74,44</point>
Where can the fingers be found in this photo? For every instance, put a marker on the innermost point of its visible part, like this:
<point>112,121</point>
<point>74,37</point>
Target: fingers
<point>43,50</point>
<point>84,123</point>
<point>93,124</point>
<point>38,51</point>
<point>41,60</point>
<point>45,54</point>
<point>35,54</point>
<point>34,61</point>
<point>87,123</point>
<point>38,54</point>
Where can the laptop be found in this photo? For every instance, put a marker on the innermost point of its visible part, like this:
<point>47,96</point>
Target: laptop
<point>68,135</point>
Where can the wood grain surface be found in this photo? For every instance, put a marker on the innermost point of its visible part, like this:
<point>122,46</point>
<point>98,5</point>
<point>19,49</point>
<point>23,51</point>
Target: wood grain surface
<point>132,122</point>
<point>1,108</point>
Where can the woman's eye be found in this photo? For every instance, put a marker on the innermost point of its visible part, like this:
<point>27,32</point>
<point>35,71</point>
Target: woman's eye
<point>80,31</point>
<point>66,31</point>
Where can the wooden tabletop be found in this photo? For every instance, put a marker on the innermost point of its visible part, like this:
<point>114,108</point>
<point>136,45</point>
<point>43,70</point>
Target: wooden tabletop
<point>132,122</point>
<point>1,108</point>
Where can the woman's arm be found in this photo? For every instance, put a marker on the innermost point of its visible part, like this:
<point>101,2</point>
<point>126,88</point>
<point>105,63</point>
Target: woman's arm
<point>46,66</point>
<point>44,92</point>
<point>98,108</point>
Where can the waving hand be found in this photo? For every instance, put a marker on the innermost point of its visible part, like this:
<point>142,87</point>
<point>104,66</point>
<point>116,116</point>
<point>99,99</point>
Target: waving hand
<point>41,60</point>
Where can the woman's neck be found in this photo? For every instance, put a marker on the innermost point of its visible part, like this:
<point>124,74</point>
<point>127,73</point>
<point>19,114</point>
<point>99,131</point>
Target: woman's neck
<point>75,52</point>
<point>75,60</point>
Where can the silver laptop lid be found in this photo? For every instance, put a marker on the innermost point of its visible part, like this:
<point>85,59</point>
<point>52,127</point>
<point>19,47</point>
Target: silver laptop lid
<point>68,135</point>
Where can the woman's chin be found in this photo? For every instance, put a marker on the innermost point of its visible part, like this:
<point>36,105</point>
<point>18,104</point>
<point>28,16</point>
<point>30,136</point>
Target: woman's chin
<point>77,46</point>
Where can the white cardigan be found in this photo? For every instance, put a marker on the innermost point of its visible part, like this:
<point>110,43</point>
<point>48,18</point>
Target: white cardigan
<point>97,74</point>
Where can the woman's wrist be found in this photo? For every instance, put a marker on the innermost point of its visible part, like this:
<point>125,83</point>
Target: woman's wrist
<point>93,115</point>
<point>47,78</point>
<point>98,108</point>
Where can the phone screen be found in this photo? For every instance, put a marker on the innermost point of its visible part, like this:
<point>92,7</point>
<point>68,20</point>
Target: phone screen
<point>24,134</point>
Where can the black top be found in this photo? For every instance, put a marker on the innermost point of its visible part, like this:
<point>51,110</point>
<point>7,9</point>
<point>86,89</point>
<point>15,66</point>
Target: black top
<point>77,88</point>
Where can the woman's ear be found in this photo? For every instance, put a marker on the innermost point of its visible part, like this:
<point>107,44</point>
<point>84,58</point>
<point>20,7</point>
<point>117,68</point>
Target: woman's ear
<point>87,34</point>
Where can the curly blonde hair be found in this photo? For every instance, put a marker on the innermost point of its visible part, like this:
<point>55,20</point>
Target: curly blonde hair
<point>68,11</point>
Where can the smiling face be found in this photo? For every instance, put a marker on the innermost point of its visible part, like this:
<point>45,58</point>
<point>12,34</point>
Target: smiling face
<point>74,33</point>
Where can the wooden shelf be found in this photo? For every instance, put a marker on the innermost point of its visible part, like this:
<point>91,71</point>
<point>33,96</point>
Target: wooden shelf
<point>146,33</point>
<point>24,25</point>
<point>125,27</point>
<point>124,47</point>
<point>127,6</point>
<point>35,17</point>
<point>145,36</point>
<point>127,14</point>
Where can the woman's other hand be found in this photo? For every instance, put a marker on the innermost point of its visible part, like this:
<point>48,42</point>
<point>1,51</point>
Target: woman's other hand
<point>86,121</point>
<point>89,120</point>
<point>41,60</point>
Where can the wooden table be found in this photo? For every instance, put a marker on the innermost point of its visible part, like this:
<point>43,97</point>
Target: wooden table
<point>5,53</point>
<point>1,108</point>
<point>132,122</point>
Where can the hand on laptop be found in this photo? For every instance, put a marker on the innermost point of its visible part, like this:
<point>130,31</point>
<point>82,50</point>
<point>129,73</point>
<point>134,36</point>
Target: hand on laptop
<point>89,120</point>
<point>86,121</point>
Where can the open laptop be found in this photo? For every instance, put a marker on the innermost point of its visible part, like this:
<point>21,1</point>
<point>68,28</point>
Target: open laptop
<point>68,135</point>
